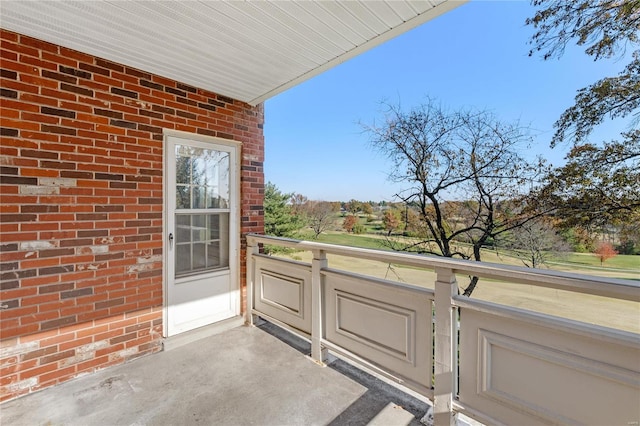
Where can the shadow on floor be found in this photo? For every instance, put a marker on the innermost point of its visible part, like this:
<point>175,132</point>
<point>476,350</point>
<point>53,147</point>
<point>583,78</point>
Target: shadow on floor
<point>373,401</point>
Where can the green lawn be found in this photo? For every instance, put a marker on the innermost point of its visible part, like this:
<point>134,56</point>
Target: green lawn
<point>621,261</point>
<point>344,239</point>
<point>620,314</point>
<point>620,266</point>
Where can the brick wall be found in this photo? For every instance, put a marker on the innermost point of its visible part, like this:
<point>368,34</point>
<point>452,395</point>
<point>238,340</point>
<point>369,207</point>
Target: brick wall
<point>81,205</point>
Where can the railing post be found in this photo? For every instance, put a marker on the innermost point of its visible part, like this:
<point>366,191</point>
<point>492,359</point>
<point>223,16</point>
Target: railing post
<point>445,347</point>
<point>252,249</point>
<point>318,353</point>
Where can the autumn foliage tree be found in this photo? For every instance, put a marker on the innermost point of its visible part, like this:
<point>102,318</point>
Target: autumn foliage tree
<point>349,222</point>
<point>600,182</point>
<point>606,29</point>
<point>354,206</point>
<point>605,251</point>
<point>391,221</point>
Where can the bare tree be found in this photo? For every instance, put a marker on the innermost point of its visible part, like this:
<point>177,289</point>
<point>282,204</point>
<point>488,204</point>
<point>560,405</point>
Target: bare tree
<point>297,202</point>
<point>535,242</point>
<point>464,155</point>
<point>320,215</point>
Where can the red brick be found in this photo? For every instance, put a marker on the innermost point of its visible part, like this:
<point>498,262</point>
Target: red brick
<point>10,329</point>
<point>81,57</point>
<point>18,293</point>
<point>93,331</point>
<point>39,44</point>
<point>34,372</point>
<point>110,349</point>
<point>93,315</point>
<point>80,107</point>
<point>57,339</point>
<point>8,35</point>
<point>58,374</point>
<point>76,310</point>
<point>58,356</point>
<point>18,105</point>
<point>60,59</point>
<point>142,340</point>
<point>38,263</point>
<point>8,55</point>
<point>38,81</point>
<point>20,48</point>
<point>39,353</point>
<point>19,124</point>
<point>93,364</point>
<point>77,142</point>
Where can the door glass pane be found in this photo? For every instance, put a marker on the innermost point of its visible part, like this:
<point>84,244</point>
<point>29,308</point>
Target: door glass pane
<point>202,183</point>
<point>202,242</point>
<point>183,167</point>
<point>198,228</point>
<point>213,200</point>
<point>202,178</point>
<point>213,255</point>
<point>199,201</point>
<point>183,258</point>
<point>199,256</point>
<point>183,196</point>
<point>214,227</point>
<point>183,227</point>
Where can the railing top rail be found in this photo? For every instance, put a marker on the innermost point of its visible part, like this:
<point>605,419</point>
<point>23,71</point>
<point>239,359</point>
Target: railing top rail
<point>576,327</point>
<point>607,287</point>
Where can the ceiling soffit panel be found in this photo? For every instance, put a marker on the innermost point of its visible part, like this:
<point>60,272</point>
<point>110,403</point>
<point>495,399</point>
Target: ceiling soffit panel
<point>250,50</point>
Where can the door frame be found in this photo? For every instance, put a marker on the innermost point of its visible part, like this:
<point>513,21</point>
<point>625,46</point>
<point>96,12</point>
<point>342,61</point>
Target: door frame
<point>234,214</point>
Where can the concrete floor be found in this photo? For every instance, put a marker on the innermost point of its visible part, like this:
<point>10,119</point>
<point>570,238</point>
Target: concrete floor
<point>244,376</point>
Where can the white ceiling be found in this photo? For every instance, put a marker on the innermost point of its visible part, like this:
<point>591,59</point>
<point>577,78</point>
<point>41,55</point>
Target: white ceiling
<point>246,50</point>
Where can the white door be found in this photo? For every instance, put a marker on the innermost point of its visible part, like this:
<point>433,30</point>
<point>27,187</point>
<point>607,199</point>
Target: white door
<point>202,233</point>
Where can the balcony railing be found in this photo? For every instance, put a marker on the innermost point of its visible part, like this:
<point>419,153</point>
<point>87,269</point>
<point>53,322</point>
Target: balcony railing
<point>498,364</point>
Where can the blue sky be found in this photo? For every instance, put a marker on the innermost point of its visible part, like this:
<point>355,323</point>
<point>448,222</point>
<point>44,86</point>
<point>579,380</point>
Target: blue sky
<point>473,56</point>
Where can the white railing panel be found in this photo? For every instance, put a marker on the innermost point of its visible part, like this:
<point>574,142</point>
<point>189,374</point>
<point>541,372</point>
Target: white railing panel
<point>282,290</point>
<point>516,366</point>
<point>390,327</point>
<point>518,371</point>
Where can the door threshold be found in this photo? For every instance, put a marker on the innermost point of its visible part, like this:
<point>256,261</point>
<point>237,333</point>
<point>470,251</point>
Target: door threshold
<point>191,336</point>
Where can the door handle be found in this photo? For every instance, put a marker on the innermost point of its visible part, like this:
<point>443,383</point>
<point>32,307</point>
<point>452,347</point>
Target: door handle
<point>170,239</point>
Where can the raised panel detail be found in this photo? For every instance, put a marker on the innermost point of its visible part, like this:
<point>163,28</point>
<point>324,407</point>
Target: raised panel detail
<point>565,373</point>
<point>282,292</point>
<point>388,326</point>
<point>554,376</point>
<point>384,327</point>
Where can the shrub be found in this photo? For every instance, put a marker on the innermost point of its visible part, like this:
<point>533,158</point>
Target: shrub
<point>358,228</point>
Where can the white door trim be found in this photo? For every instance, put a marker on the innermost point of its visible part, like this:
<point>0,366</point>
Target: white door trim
<point>235,213</point>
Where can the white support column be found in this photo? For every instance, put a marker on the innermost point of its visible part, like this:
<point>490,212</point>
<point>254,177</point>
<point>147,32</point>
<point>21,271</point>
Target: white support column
<point>445,347</point>
<point>318,353</point>
<point>252,249</point>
